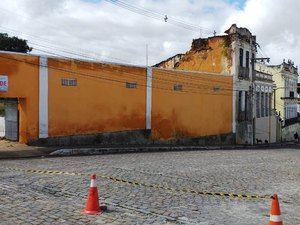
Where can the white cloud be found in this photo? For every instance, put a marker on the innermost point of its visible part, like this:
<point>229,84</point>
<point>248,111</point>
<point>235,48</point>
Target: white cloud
<point>274,22</point>
<point>167,45</point>
<point>110,31</point>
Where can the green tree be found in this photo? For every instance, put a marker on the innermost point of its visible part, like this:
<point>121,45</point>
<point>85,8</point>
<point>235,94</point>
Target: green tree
<point>13,44</point>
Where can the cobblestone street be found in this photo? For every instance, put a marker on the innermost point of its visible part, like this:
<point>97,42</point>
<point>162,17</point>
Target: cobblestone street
<point>33,198</point>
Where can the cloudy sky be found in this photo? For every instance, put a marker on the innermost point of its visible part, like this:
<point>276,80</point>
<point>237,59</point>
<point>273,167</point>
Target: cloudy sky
<point>120,30</point>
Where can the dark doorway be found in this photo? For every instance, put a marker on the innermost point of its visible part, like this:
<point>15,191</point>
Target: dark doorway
<point>11,119</point>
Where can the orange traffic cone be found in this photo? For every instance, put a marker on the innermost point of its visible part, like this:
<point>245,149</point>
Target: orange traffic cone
<point>275,214</point>
<point>92,205</point>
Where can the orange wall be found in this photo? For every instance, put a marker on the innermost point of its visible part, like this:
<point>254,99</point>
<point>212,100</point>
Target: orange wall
<point>197,110</point>
<point>23,81</point>
<point>217,59</point>
<point>99,103</point>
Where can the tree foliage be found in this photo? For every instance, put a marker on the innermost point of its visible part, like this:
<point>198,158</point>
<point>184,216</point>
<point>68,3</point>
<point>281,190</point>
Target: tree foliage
<point>13,44</point>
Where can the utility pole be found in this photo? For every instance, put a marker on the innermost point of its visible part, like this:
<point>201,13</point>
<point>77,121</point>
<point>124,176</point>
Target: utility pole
<point>274,99</point>
<point>252,117</point>
<point>147,55</point>
<point>270,117</point>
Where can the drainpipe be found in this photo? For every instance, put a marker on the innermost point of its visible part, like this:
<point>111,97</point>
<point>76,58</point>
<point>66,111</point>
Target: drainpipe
<point>234,88</point>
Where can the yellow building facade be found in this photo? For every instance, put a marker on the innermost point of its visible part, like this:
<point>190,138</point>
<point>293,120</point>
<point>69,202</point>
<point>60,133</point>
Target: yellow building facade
<point>285,78</point>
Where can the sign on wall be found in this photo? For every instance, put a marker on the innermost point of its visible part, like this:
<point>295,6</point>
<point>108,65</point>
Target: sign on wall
<point>3,83</point>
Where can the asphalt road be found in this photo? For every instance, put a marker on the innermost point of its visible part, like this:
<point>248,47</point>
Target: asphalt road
<point>166,191</point>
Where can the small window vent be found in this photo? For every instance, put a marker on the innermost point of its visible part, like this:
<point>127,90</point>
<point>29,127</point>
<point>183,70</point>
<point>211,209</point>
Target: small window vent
<point>216,88</point>
<point>131,85</point>
<point>178,87</point>
<point>68,82</point>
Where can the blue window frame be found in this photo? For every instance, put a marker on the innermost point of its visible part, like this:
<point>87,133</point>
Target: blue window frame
<point>241,57</point>
<point>247,59</point>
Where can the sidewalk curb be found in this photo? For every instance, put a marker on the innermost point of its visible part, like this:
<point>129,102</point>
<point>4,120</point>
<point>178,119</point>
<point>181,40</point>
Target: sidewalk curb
<point>143,149</point>
<point>99,150</point>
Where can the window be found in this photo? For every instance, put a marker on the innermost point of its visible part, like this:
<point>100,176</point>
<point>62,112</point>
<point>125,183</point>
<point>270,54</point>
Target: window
<point>68,82</point>
<point>286,90</point>
<point>241,112</point>
<point>216,88</point>
<point>247,59</point>
<point>252,62</point>
<point>240,101</point>
<point>177,87</point>
<point>270,104</point>
<point>247,106</point>
<point>241,57</point>
<point>131,85</point>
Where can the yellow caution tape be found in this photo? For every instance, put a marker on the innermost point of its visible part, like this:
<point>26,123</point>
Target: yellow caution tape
<point>114,179</point>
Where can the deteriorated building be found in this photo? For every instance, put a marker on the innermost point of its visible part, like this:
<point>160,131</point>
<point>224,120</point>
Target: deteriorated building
<point>232,54</point>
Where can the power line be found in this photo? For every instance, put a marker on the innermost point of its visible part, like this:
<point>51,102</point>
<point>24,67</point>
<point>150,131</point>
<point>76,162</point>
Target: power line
<point>262,52</point>
<point>120,3</point>
<point>183,75</point>
<point>88,57</point>
<point>159,16</point>
<point>120,81</point>
<point>187,75</point>
<point>5,29</point>
<point>201,85</point>
<point>111,79</point>
<point>73,52</point>
<point>190,85</point>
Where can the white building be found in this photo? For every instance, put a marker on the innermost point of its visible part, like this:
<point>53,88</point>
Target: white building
<point>267,125</point>
<point>243,44</point>
<point>285,76</point>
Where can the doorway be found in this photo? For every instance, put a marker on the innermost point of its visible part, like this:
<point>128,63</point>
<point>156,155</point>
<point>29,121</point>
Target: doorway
<point>11,119</point>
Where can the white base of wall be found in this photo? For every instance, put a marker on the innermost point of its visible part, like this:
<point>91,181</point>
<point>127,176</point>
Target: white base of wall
<point>2,126</point>
<point>265,125</point>
<point>289,131</point>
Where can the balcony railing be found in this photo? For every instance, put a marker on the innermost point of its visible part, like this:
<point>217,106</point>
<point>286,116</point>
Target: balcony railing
<point>291,121</point>
<point>243,73</point>
<point>290,98</point>
<point>262,77</point>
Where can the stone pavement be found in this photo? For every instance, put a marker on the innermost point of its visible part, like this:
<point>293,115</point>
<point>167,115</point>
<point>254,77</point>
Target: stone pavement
<point>31,198</point>
<point>10,149</point>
